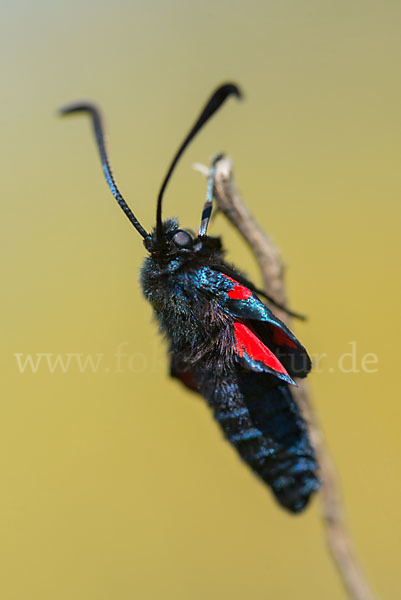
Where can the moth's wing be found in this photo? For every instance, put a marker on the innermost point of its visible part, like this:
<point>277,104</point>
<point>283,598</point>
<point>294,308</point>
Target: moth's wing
<point>185,375</point>
<point>260,323</point>
<point>255,355</point>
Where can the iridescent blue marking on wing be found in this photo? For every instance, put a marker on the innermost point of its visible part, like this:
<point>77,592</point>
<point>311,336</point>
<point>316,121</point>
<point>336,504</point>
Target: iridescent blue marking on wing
<point>259,367</point>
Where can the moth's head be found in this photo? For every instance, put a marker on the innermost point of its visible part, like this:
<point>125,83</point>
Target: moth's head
<point>175,241</point>
<point>166,239</point>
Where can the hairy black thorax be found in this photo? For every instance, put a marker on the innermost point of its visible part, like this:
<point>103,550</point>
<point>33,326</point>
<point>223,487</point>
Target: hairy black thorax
<point>188,312</point>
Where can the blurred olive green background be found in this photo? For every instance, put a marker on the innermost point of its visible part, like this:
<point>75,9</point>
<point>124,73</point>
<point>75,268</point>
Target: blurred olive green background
<point>118,484</point>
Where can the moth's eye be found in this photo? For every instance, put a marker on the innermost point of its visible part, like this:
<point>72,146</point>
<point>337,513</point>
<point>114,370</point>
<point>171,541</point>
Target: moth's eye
<point>182,239</point>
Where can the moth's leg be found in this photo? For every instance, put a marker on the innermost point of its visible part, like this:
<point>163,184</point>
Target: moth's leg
<point>207,207</point>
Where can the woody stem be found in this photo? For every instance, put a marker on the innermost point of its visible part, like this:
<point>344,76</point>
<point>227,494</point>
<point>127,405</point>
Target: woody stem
<point>268,258</point>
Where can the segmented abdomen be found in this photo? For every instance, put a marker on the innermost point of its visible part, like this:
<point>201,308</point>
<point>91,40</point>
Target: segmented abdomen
<point>263,423</point>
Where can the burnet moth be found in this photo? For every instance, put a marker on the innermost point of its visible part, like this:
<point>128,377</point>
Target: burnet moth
<point>224,343</point>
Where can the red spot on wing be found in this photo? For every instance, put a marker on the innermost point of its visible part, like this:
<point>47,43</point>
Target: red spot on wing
<point>281,338</point>
<point>238,292</point>
<point>247,341</point>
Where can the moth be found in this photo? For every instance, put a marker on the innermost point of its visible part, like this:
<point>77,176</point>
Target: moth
<point>224,343</point>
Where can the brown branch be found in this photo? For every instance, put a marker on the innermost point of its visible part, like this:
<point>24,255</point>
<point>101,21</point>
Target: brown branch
<point>268,258</point>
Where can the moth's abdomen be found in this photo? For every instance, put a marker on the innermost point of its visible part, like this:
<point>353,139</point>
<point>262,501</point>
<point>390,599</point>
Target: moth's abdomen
<point>263,423</point>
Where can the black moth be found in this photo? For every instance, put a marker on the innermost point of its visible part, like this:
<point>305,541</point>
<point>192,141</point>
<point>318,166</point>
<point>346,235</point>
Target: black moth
<point>224,343</point>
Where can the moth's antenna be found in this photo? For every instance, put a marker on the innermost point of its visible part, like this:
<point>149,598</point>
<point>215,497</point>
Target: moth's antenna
<point>213,104</point>
<point>207,207</point>
<point>98,128</point>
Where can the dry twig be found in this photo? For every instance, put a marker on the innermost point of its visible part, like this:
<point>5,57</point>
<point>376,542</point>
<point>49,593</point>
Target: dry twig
<point>268,258</point>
